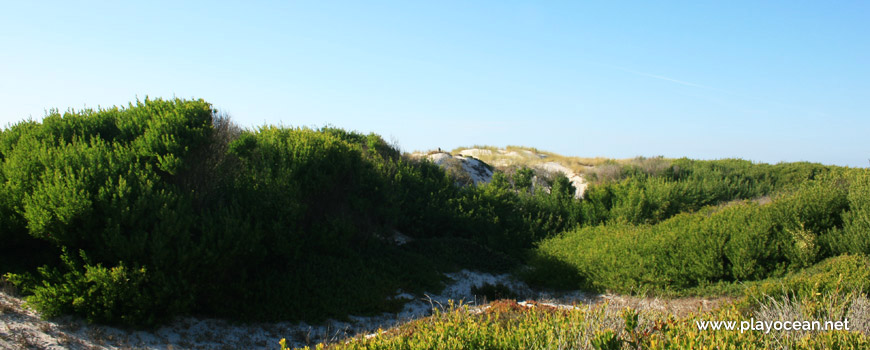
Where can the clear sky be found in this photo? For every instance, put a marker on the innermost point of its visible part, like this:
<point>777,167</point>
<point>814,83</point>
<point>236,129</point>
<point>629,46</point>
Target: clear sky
<point>761,80</point>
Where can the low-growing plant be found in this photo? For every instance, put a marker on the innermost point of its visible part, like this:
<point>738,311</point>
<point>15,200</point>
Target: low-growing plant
<point>507,325</point>
<point>120,294</point>
<point>833,275</point>
<point>737,241</point>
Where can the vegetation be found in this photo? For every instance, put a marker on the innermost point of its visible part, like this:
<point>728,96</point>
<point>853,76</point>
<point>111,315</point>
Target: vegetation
<point>529,157</point>
<point>163,208</point>
<point>833,275</point>
<point>648,191</point>
<point>508,325</point>
<point>734,241</point>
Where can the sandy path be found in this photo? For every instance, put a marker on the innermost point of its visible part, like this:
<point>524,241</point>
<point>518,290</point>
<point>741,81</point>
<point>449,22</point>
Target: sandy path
<point>21,328</point>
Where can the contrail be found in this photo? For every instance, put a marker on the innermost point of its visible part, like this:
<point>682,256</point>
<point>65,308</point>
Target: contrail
<point>796,108</point>
<point>661,77</point>
<point>670,79</point>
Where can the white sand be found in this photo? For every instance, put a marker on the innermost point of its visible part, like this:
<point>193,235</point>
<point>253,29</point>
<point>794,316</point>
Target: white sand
<point>507,160</point>
<point>477,170</point>
<point>576,180</point>
<point>22,328</point>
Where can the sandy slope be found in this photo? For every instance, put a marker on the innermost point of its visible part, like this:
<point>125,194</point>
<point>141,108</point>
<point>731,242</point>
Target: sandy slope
<point>576,180</point>
<point>505,158</point>
<point>21,328</point>
<point>476,169</point>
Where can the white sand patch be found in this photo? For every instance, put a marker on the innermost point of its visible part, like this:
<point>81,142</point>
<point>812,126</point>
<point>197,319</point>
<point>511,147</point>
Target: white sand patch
<point>513,154</point>
<point>530,153</point>
<point>464,280</point>
<point>477,170</point>
<point>507,158</point>
<point>21,328</point>
<point>440,158</point>
<point>475,152</point>
<point>480,173</point>
<point>576,180</point>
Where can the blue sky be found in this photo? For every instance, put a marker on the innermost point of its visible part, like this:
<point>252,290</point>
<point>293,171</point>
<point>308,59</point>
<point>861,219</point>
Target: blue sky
<point>766,81</point>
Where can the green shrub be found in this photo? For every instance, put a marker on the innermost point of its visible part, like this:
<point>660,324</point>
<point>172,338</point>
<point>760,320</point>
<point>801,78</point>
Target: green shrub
<point>120,294</point>
<point>171,204</point>
<point>190,206</point>
<point>736,241</point>
<point>507,325</point>
<point>855,235</point>
<point>453,254</point>
<point>845,273</point>
<point>169,194</point>
<point>652,190</point>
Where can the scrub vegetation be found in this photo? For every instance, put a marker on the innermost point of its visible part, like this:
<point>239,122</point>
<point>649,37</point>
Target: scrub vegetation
<point>508,325</point>
<point>134,215</point>
<point>162,208</point>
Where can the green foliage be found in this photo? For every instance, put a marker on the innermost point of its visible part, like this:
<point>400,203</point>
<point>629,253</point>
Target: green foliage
<point>833,275</point>
<point>499,215</point>
<point>453,254</point>
<point>202,215</point>
<point>523,179</point>
<point>647,194</point>
<point>173,210</point>
<point>606,340</point>
<point>855,235</point>
<point>505,325</point>
<point>513,220</point>
<point>120,294</point>
<point>734,241</point>
<point>273,223</point>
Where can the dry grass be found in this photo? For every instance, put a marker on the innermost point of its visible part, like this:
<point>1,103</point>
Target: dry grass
<point>624,323</point>
<point>518,156</point>
<point>654,166</point>
<point>614,170</point>
<point>604,173</point>
<point>673,306</point>
<point>853,306</point>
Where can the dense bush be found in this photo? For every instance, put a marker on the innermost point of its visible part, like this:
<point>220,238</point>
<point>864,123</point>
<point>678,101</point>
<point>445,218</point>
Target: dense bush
<point>855,234</point>
<point>167,203</point>
<point>845,273</point>
<point>648,191</point>
<point>164,194</point>
<point>127,295</point>
<point>730,242</point>
<point>165,207</point>
<point>510,218</point>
